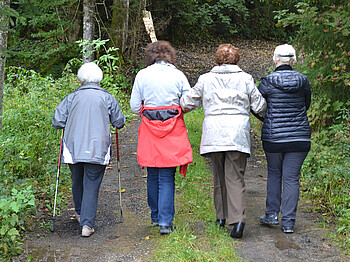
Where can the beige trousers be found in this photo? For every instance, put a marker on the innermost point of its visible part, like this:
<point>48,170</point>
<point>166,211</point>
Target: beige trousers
<point>229,185</point>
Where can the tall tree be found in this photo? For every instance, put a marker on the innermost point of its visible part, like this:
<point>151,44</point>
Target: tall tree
<point>119,25</point>
<point>88,28</point>
<point>4,4</point>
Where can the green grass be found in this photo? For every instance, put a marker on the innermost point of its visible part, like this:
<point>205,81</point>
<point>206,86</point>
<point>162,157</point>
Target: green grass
<point>196,237</point>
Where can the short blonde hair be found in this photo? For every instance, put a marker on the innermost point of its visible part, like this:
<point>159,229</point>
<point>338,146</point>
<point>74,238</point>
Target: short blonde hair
<point>227,54</point>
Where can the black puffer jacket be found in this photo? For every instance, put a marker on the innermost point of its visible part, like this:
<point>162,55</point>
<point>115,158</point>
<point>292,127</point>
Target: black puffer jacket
<point>288,97</point>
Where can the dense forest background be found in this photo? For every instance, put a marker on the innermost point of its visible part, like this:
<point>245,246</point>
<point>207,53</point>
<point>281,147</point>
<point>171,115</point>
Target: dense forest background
<point>42,44</point>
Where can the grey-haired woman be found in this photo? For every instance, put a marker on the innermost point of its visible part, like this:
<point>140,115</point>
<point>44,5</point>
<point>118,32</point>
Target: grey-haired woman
<point>86,115</point>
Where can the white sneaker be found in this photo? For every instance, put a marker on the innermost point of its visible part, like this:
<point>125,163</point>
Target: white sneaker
<point>77,217</point>
<point>87,231</point>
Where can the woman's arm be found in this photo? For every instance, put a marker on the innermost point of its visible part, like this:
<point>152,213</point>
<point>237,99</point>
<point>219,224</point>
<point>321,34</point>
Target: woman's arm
<point>192,99</point>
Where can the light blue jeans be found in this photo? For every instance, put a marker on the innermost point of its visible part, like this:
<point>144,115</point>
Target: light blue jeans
<point>161,193</point>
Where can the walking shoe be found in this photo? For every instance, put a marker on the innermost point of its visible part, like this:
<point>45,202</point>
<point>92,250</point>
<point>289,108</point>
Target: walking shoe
<point>166,229</point>
<point>87,231</point>
<point>77,217</point>
<point>155,223</point>
<point>269,219</point>
<point>221,222</point>
<point>288,230</point>
<point>237,230</point>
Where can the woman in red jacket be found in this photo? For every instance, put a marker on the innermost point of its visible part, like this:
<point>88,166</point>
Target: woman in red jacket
<point>163,142</point>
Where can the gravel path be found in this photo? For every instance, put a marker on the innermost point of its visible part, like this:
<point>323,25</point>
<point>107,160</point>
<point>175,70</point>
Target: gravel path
<point>133,239</point>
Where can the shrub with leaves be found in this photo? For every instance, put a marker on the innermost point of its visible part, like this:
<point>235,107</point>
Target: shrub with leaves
<point>323,39</point>
<point>14,207</point>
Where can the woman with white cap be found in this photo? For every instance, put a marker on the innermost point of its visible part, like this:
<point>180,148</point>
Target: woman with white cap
<point>285,136</point>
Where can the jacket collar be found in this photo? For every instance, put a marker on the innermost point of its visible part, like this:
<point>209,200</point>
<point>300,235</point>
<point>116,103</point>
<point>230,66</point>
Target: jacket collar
<point>225,69</point>
<point>283,67</point>
<point>92,86</point>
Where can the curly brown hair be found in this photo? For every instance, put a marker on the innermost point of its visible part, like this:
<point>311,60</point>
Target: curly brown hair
<point>160,51</point>
<point>227,54</point>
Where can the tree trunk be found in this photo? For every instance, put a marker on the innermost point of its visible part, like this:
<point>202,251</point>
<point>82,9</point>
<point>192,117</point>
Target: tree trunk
<point>75,16</point>
<point>88,28</point>
<point>120,24</point>
<point>3,48</point>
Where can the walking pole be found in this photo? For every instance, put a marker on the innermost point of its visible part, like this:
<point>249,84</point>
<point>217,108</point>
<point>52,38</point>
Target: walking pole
<point>120,186</point>
<point>58,175</point>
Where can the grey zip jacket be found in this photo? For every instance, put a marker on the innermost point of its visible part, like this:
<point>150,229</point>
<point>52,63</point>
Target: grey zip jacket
<point>227,95</point>
<point>86,115</point>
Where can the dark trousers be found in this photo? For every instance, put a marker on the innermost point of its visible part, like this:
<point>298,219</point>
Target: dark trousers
<point>283,184</point>
<point>161,194</point>
<point>86,179</point>
<point>229,185</point>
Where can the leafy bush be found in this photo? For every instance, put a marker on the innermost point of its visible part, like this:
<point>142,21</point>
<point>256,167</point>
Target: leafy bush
<point>14,207</point>
<point>323,39</point>
<point>326,177</point>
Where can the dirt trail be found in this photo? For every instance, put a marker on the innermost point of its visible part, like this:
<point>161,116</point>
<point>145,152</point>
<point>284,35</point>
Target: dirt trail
<point>133,240</point>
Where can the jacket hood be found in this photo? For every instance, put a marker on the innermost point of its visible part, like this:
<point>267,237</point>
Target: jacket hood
<point>289,81</point>
<point>224,69</point>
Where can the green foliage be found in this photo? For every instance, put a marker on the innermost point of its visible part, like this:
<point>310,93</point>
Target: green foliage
<point>323,40</point>
<point>326,177</point>
<point>39,40</point>
<point>15,206</point>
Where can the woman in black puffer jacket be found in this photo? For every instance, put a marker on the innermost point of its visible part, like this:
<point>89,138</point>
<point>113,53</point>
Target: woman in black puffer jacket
<point>285,135</point>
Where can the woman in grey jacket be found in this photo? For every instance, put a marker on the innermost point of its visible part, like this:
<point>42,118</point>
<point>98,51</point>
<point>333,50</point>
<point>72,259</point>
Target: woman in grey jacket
<point>227,95</point>
<point>86,115</point>
<point>285,135</point>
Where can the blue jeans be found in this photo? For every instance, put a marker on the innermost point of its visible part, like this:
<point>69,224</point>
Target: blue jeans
<point>283,171</point>
<point>86,180</point>
<point>161,193</point>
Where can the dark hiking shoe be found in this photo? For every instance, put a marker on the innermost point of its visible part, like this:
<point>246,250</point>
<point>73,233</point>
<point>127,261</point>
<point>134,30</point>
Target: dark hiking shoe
<point>221,222</point>
<point>166,229</point>
<point>237,230</point>
<point>269,219</point>
<point>288,230</point>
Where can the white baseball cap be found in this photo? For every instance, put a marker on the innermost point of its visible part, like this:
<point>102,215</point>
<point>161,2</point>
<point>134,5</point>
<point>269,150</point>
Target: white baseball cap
<point>284,51</point>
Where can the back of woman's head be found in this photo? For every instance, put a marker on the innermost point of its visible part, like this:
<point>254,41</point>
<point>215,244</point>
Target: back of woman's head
<point>90,73</point>
<point>160,51</point>
<point>227,54</point>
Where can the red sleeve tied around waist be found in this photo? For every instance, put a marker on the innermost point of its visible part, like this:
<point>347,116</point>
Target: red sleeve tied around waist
<point>164,143</point>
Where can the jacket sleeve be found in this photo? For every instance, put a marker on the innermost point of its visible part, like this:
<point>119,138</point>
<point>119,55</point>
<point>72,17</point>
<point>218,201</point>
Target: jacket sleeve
<point>61,114</point>
<point>257,101</point>
<point>263,87</point>
<point>192,99</point>
<point>307,95</point>
<point>136,99</point>
<point>116,116</point>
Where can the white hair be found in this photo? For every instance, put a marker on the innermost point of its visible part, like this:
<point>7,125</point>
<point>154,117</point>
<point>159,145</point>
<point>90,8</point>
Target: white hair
<point>285,54</point>
<point>90,73</point>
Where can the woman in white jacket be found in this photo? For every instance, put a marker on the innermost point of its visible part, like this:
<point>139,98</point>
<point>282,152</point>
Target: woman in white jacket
<point>227,95</point>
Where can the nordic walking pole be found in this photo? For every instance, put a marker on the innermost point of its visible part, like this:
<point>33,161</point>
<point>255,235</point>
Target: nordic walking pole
<point>58,175</point>
<point>120,186</point>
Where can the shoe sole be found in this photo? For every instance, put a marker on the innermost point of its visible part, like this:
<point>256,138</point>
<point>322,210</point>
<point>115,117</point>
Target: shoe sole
<point>268,223</point>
